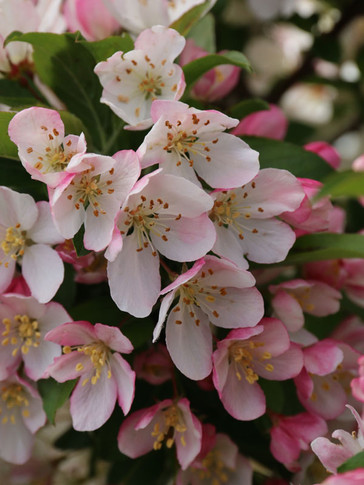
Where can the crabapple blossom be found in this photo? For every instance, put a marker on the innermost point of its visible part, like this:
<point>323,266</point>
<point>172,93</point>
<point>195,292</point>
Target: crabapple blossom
<point>26,233</point>
<point>270,123</point>
<point>169,422</point>
<point>357,384</point>
<point>164,214</point>
<point>245,220</point>
<point>21,416</point>
<point>154,365</point>
<point>184,140</point>
<point>133,80</point>
<point>91,18</point>
<point>215,291</point>
<point>351,332</point>
<point>104,375</point>
<point>137,16</point>
<point>291,434</point>
<point>324,383</point>
<point>353,477</point>
<point>292,298</point>
<point>25,322</point>
<point>218,462</point>
<point>43,149</point>
<point>243,356</point>
<point>333,455</point>
<point>94,197</point>
<point>214,84</point>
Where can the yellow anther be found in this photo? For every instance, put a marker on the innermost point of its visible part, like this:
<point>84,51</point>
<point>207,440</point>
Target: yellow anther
<point>269,367</point>
<point>79,367</point>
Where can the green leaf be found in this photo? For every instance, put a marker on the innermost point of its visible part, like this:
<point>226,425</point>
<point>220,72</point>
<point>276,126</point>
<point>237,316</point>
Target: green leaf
<point>14,95</point>
<point>14,176</point>
<point>103,49</point>
<point>78,242</point>
<point>98,310</point>
<point>195,69</point>
<point>72,124</point>
<point>349,184</point>
<point>54,395</point>
<point>67,67</point>
<point>247,107</point>
<point>323,246</point>
<point>185,23</point>
<point>203,33</point>
<point>7,148</point>
<point>280,154</point>
<point>356,461</point>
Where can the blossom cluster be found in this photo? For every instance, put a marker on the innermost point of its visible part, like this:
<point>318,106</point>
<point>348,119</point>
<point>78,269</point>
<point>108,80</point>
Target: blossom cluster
<point>182,232</point>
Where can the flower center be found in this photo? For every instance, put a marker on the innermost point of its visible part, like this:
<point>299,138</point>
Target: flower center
<point>144,219</point>
<point>172,422</point>
<point>22,332</point>
<point>151,86</point>
<point>214,470</point>
<point>13,243</point>
<point>98,353</point>
<point>243,357</point>
<point>12,397</point>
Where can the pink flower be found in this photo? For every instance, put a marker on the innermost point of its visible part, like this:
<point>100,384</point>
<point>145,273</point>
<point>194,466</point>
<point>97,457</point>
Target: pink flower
<point>353,477</point>
<point>156,218</point>
<point>245,219</point>
<point>292,298</point>
<point>291,434</point>
<point>271,123</point>
<point>169,422</point>
<point>219,461</point>
<point>243,356</point>
<point>26,321</point>
<point>357,384</point>
<point>104,375</point>
<point>184,140</point>
<point>133,80</point>
<point>214,84</point>
<point>215,291</point>
<point>333,455</point>
<point>94,197</point>
<point>325,151</point>
<point>21,416</point>
<point>26,233</point>
<point>43,149</point>
<point>154,365</point>
<point>90,17</point>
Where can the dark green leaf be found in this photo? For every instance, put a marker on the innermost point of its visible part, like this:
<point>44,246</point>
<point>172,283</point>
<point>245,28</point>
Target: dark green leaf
<point>323,246</point>
<point>350,184</point>
<point>78,242</point>
<point>184,24</point>
<point>66,66</point>
<point>203,33</point>
<point>14,176</point>
<point>195,69</point>
<point>327,48</point>
<point>54,395</point>
<point>103,49</point>
<point>74,440</point>
<point>7,148</point>
<point>67,291</point>
<point>98,310</point>
<point>139,331</point>
<point>72,124</point>
<point>279,154</point>
<point>14,95</point>
<point>356,461</point>
<point>247,107</point>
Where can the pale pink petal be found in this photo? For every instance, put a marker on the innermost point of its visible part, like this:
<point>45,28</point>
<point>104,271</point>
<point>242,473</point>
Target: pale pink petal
<point>228,246</point>
<point>165,304</point>
<point>125,380</point>
<point>19,443</point>
<point>323,358</point>
<point>43,271</point>
<point>288,309</point>
<point>190,448</point>
<point>161,43</point>
<point>16,209</point>
<point>115,245</point>
<point>72,333</point>
<point>39,358</point>
<point>6,272</point>
<point>113,338</point>
<point>283,446</point>
<point>285,366</point>
<point>44,231</point>
<point>189,344</point>
<point>331,455</point>
<point>63,368</point>
<point>270,123</point>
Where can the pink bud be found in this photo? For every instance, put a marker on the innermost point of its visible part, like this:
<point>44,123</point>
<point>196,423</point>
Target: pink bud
<point>325,151</point>
<point>270,123</point>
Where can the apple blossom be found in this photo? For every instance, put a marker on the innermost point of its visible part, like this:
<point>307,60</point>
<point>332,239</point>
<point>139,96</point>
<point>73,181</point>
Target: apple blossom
<point>156,217</point>
<point>184,140</point>
<point>133,80</point>
<point>94,197</point>
<point>243,356</point>
<point>21,416</point>
<point>168,422</point>
<point>154,365</point>
<point>270,123</point>
<point>25,322</point>
<point>245,220</point>
<point>333,455</point>
<point>104,375</point>
<point>291,434</point>
<point>215,291</point>
<point>26,233</point>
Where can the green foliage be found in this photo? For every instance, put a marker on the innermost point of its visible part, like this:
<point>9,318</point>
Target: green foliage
<point>78,242</point>
<point>103,49</point>
<point>185,23</point>
<point>349,184</point>
<point>203,33</point>
<point>7,148</point>
<point>356,461</point>
<point>14,95</point>
<point>247,107</point>
<point>54,395</point>
<point>195,69</point>
<point>14,176</point>
<point>279,154</point>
